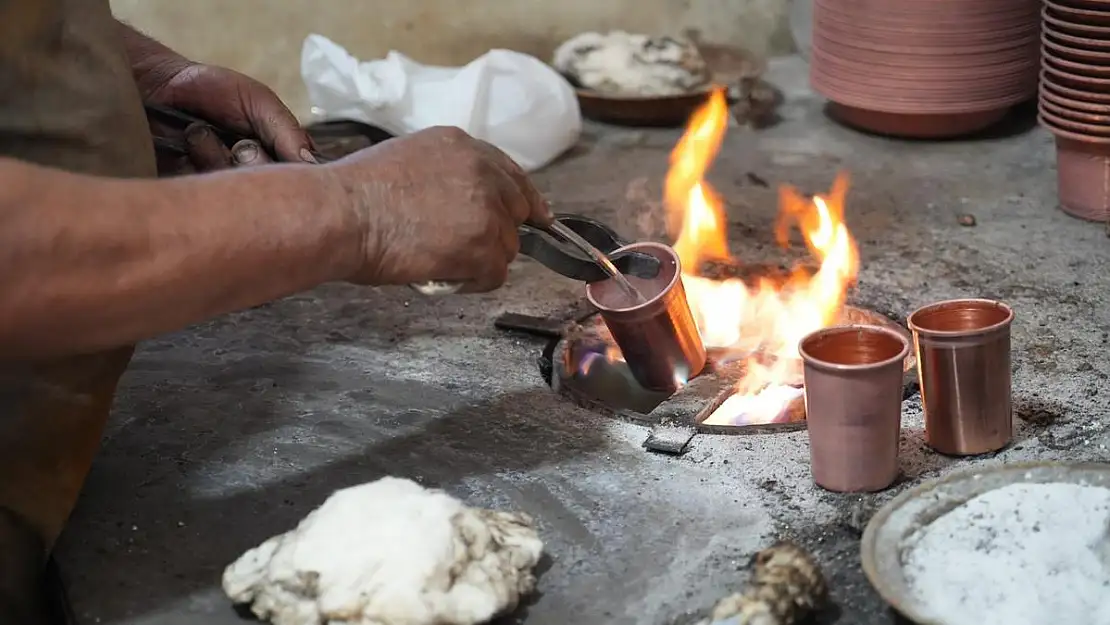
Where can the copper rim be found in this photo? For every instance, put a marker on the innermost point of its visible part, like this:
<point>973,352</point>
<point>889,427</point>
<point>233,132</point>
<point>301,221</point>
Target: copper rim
<point>1096,32</point>
<point>1050,47</point>
<point>1082,117</point>
<point>1052,93</point>
<point>910,13</point>
<point>1064,133</point>
<point>1075,40</point>
<point>987,64</point>
<point>1077,67</point>
<point>952,303</point>
<point>666,250</point>
<point>935,57</point>
<point>1081,15</point>
<point>915,102</point>
<point>848,329</point>
<point>1100,84</point>
<point>925,42</point>
<point>1093,134</point>
<point>1071,92</point>
<point>968,79</point>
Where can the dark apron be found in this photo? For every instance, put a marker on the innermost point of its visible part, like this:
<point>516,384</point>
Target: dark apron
<point>67,100</point>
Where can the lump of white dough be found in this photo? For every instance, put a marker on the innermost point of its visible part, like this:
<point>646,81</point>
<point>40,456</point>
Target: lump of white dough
<point>390,553</point>
<point>619,63</point>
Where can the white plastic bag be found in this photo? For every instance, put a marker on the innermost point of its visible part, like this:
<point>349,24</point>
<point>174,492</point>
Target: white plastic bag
<point>512,100</point>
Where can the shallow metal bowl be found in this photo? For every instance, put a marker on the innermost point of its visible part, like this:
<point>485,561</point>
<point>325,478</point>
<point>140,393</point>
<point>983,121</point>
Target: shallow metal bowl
<point>881,549</point>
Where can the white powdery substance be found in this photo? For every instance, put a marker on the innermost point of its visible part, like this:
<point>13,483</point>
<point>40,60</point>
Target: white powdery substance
<point>1026,554</point>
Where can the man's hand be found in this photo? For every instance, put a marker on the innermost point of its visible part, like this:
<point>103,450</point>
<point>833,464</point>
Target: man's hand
<point>221,96</point>
<point>439,205</point>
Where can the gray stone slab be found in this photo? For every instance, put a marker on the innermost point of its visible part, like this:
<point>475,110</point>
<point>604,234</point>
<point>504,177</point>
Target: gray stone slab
<point>232,431</point>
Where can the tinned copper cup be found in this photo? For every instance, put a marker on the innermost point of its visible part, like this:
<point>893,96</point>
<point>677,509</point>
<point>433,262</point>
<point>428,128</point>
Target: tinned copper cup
<point>657,336</point>
<point>963,365</point>
<point>853,394</point>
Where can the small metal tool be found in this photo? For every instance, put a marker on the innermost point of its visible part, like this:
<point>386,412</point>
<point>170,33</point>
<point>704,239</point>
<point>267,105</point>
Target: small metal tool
<point>179,121</point>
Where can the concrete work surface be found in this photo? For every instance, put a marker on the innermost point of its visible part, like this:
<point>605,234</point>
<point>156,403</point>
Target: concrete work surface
<point>230,432</point>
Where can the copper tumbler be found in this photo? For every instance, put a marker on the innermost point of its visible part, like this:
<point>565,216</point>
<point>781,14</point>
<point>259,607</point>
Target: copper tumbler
<point>963,366</point>
<point>658,337</point>
<point>853,390</point>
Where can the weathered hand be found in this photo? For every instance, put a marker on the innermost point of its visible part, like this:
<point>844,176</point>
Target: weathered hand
<point>439,205</point>
<point>239,103</point>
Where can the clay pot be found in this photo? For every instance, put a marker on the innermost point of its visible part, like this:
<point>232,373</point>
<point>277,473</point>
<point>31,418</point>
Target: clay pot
<point>933,69</point>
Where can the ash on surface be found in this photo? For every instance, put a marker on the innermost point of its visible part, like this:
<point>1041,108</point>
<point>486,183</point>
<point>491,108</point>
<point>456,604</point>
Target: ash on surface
<point>1024,554</point>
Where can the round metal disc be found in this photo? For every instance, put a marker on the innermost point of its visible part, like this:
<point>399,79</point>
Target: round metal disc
<point>883,539</point>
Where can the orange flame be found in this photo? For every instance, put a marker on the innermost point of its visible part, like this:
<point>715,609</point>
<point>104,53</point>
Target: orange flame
<point>770,319</point>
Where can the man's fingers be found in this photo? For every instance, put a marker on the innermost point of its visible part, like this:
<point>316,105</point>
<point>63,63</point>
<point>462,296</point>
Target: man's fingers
<point>534,208</point>
<point>248,153</point>
<point>277,127</point>
<point>206,151</point>
<point>515,205</point>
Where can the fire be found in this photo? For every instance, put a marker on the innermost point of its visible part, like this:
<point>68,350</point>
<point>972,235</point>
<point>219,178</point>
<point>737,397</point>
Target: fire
<point>762,324</point>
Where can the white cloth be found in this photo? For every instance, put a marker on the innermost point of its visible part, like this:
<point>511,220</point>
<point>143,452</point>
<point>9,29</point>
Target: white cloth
<point>512,100</point>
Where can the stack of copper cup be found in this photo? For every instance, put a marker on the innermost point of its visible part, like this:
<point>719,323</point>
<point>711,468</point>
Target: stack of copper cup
<point>853,391</point>
<point>1075,102</point>
<point>933,69</point>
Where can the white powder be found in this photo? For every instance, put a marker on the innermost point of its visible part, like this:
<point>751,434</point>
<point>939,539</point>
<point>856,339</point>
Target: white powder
<point>1027,554</point>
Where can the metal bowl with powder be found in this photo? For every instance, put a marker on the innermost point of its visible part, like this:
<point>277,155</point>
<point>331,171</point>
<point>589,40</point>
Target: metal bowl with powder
<point>996,545</point>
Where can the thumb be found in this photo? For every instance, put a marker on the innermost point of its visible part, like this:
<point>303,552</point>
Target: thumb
<point>279,129</point>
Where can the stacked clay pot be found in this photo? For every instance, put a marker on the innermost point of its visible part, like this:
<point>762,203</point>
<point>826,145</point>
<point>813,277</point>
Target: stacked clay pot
<point>924,68</point>
<point>1075,102</point>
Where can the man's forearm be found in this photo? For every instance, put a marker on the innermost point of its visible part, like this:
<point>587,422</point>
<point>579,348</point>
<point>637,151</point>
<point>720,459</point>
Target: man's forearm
<point>92,263</point>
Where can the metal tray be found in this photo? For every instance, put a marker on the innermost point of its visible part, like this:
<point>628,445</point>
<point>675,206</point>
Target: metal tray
<point>728,66</point>
<point>881,549</point>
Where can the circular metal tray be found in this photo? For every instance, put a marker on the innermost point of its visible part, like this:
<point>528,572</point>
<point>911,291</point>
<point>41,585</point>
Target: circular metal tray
<point>727,66</point>
<point>881,548</point>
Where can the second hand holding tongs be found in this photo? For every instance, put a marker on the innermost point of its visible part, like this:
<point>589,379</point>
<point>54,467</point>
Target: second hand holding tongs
<point>571,247</point>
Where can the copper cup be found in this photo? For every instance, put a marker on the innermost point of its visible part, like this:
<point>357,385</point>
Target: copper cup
<point>963,365</point>
<point>658,337</point>
<point>853,390</point>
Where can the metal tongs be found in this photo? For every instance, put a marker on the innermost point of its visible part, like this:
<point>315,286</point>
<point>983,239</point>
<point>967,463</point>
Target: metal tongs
<point>571,247</point>
<point>179,121</point>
